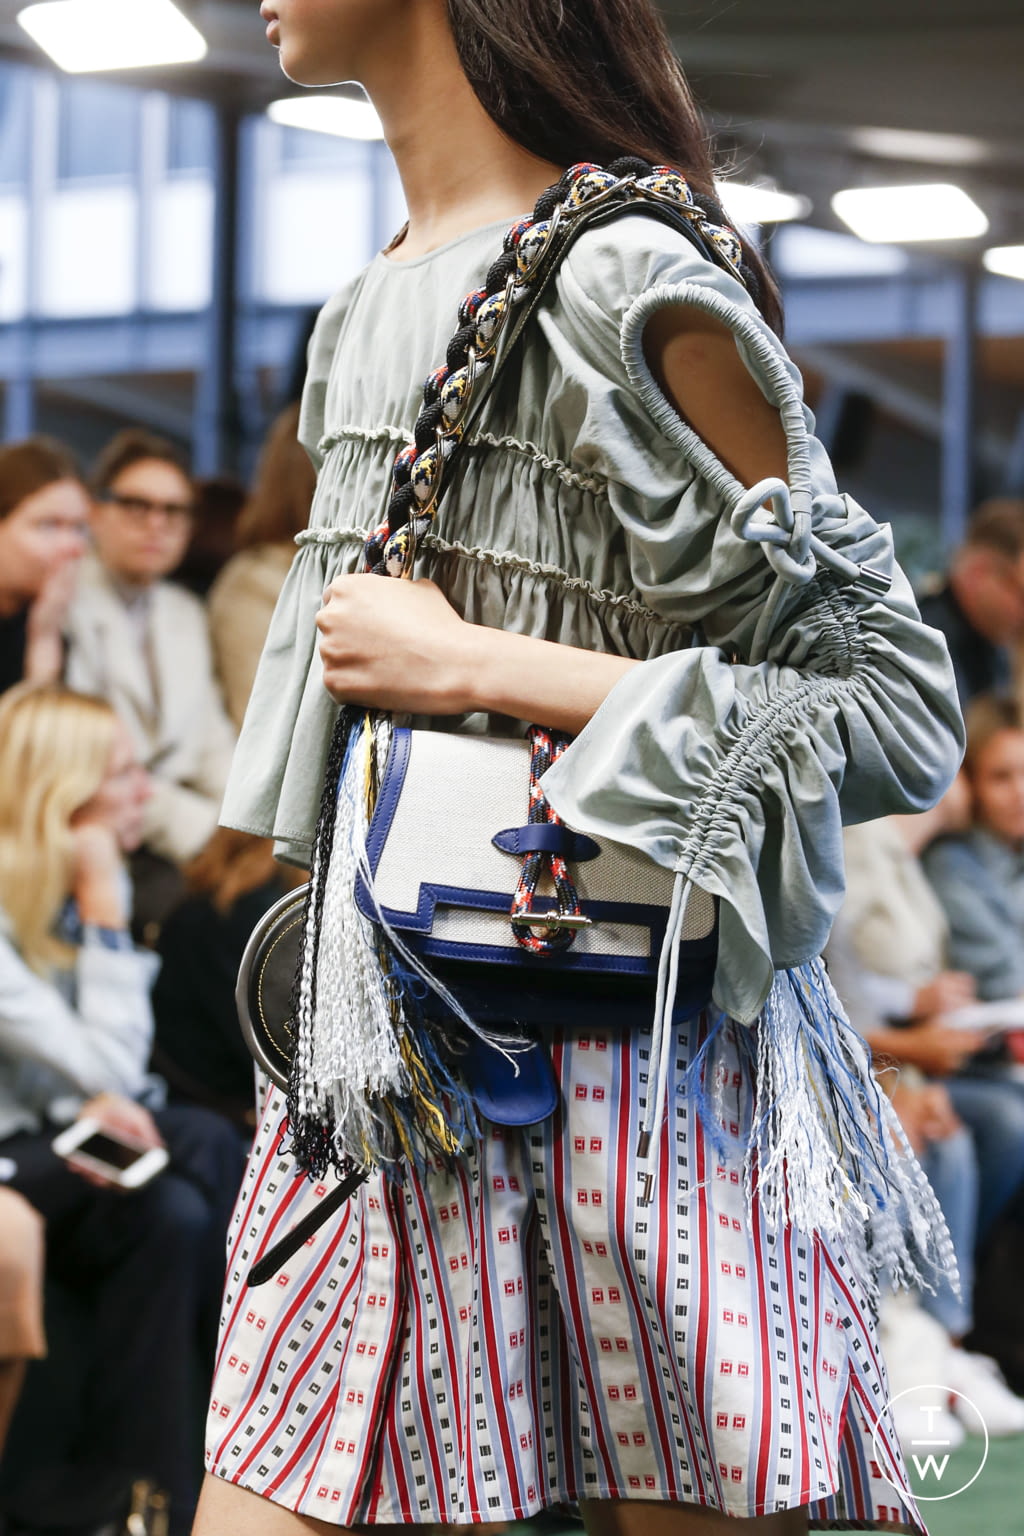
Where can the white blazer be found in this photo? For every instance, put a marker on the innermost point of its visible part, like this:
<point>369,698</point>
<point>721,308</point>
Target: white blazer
<point>181,730</point>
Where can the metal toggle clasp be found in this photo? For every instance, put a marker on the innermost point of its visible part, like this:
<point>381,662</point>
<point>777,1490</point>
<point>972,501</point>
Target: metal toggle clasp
<point>554,919</point>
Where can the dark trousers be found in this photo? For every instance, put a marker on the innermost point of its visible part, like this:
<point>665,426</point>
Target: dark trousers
<point>149,1266</point>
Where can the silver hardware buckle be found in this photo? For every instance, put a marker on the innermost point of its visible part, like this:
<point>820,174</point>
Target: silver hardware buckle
<point>554,919</point>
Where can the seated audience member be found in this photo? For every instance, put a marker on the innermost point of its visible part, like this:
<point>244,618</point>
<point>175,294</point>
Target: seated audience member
<point>242,599</point>
<point>888,960</point>
<point>21,1298</point>
<point>980,610</point>
<point>75,1039</point>
<point>43,513</point>
<point>219,503</point>
<point>199,1045</point>
<point>978,875</point>
<point>141,642</point>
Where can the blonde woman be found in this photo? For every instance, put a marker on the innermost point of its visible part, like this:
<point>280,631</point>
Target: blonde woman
<point>75,1034</point>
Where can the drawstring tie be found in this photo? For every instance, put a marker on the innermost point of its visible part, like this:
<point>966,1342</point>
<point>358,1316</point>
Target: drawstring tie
<point>662,1035</point>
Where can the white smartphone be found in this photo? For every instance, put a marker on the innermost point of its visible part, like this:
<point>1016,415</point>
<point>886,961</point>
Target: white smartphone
<point>117,1157</point>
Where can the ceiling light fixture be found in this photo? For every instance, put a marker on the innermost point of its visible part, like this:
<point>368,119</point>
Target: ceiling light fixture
<point>1006,260</point>
<point>895,215</point>
<point>761,204</point>
<point>912,144</point>
<point>346,117</point>
<point>82,36</point>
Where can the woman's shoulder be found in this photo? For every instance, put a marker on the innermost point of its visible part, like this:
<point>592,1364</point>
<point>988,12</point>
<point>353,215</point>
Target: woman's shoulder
<point>954,857</point>
<point>640,258</point>
<point>255,572</point>
<point>619,275</point>
<point>320,352</point>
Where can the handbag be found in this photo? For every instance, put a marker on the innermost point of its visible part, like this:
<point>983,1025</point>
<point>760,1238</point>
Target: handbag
<point>445,846</point>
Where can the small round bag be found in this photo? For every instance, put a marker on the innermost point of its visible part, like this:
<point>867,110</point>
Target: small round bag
<point>263,994</point>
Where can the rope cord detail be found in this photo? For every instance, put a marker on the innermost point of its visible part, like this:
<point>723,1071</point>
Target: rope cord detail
<point>547,747</point>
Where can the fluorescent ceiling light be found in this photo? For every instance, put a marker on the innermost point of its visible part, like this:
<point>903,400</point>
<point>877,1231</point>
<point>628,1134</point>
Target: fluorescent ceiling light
<point>761,205</point>
<point>911,144</point>
<point>1007,260</point>
<point>85,35</point>
<point>800,250</point>
<point>938,211</point>
<point>345,116</point>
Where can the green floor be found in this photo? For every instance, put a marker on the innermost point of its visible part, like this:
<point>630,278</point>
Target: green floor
<point>992,1506</point>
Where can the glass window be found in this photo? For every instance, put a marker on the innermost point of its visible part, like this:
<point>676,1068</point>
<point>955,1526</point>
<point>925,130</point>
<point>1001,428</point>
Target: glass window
<point>99,130</point>
<point>301,148</point>
<point>15,110</point>
<point>189,136</point>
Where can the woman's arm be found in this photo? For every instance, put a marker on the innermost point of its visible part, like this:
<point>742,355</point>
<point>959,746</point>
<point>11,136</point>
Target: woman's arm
<point>44,642</point>
<point>103,1044</point>
<point>400,646</point>
<point>984,940</point>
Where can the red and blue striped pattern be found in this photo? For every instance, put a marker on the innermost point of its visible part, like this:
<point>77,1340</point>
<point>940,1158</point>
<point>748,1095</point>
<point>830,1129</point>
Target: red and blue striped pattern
<point>480,1344</point>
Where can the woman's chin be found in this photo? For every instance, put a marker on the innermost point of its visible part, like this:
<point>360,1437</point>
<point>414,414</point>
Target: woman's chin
<point>300,69</point>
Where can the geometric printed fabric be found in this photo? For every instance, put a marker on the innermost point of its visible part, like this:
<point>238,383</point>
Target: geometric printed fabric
<point>481,1344</point>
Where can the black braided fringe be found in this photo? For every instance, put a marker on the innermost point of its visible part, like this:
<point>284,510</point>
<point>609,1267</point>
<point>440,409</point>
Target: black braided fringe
<point>311,1141</point>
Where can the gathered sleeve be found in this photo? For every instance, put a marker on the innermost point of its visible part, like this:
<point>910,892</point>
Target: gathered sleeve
<point>816,697</point>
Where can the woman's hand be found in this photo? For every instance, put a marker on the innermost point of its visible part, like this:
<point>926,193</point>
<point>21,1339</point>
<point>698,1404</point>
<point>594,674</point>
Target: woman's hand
<point>945,993</point>
<point>400,646</point>
<point>44,647</point>
<point>395,645</point>
<point>123,1117</point>
<point>937,1049</point>
<point>98,882</point>
<point>926,1113</point>
<point>124,1120</point>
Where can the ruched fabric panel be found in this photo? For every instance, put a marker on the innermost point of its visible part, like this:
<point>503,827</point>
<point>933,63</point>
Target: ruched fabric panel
<point>737,762</point>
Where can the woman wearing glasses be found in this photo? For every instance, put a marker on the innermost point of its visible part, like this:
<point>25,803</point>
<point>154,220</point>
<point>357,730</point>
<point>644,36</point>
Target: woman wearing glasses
<point>141,642</point>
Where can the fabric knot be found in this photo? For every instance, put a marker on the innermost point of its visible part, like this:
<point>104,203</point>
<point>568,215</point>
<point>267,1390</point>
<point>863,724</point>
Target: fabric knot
<point>784,531</point>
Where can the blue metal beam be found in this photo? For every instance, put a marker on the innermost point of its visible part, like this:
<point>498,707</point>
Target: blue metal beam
<point>216,436</point>
<point>959,391</point>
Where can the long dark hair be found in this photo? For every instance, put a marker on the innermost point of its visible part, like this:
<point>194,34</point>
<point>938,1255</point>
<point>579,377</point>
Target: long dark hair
<point>30,466</point>
<point>574,80</point>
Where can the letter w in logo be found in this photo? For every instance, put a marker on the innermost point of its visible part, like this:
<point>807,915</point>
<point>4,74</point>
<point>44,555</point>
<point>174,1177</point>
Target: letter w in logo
<point>929,1463</point>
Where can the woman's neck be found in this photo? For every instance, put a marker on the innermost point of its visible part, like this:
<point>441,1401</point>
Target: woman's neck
<point>459,171</point>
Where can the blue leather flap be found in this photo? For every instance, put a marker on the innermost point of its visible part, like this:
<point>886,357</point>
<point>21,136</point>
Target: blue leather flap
<point>504,1094</point>
<point>547,837</point>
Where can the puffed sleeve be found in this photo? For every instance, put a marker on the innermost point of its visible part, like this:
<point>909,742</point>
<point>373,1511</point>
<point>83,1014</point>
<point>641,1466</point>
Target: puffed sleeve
<point>287,702</point>
<point>817,696</point>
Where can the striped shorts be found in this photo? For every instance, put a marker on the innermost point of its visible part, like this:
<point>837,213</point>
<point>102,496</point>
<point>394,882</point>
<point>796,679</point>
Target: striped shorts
<point>521,1333</point>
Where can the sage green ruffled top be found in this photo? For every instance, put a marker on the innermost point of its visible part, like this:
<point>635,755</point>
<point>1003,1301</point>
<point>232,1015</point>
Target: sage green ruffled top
<point>777,698</point>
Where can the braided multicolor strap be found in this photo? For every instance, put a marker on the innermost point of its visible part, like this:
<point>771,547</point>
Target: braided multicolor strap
<point>420,470</point>
<point>484,319</point>
<point>557,925</point>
